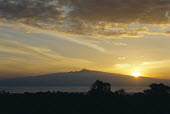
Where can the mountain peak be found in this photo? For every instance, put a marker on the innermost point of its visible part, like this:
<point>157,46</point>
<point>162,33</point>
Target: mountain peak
<point>83,77</point>
<point>84,69</point>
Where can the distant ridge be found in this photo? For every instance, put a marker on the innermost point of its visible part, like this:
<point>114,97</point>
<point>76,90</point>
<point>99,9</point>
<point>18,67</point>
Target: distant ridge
<point>83,77</point>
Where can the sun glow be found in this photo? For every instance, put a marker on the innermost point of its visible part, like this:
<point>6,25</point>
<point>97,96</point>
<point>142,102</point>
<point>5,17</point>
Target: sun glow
<point>136,74</point>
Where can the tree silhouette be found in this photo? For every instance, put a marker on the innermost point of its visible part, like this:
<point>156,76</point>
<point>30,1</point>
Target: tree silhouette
<point>100,87</point>
<point>100,100</point>
<point>120,92</point>
<point>157,90</point>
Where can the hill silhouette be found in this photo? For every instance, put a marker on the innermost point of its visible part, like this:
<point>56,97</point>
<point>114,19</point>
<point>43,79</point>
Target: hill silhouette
<point>81,78</point>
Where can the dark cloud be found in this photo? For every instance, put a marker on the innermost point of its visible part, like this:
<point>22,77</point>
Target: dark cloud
<point>15,9</point>
<point>123,11</point>
<point>87,17</point>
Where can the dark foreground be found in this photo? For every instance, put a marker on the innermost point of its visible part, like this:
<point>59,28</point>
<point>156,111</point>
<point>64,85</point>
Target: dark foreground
<point>156,100</point>
<point>82,104</point>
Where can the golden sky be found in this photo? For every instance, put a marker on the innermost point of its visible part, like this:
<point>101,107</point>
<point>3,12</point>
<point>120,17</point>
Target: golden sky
<point>118,36</point>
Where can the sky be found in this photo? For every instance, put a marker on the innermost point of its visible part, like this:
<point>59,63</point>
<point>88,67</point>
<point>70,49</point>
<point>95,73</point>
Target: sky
<point>118,36</point>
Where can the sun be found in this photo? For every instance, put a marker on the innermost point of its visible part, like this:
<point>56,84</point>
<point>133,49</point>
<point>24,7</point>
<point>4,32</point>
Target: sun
<point>136,74</point>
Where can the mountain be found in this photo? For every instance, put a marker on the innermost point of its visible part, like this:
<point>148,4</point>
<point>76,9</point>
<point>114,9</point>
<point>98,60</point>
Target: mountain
<point>81,78</point>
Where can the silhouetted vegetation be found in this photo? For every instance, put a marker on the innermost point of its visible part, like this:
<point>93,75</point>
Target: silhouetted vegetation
<point>120,92</point>
<point>157,90</point>
<point>99,100</point>
<point>100,88</point>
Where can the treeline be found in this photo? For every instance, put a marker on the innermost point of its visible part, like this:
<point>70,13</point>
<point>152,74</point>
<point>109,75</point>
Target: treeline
<point>100,88</point>
<point>98,100</point>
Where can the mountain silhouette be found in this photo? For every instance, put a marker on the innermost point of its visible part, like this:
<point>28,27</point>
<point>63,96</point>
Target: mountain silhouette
<point>81,78</point>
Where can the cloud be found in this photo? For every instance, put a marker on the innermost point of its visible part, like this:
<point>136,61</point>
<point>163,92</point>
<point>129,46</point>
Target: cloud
<point>121,58</point>
<point>16,47</point>
<point>24,49</point>
<point>96,18</point>
<point>17,9</point>
<point>20,59</point>
<point>78,41</point>
<point>120,11</point>
<point>106,42</point>
<point>166,33</point>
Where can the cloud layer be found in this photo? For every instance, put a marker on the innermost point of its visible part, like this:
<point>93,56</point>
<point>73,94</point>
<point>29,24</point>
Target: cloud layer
<point>20,59</point>
<point>103,18</point>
